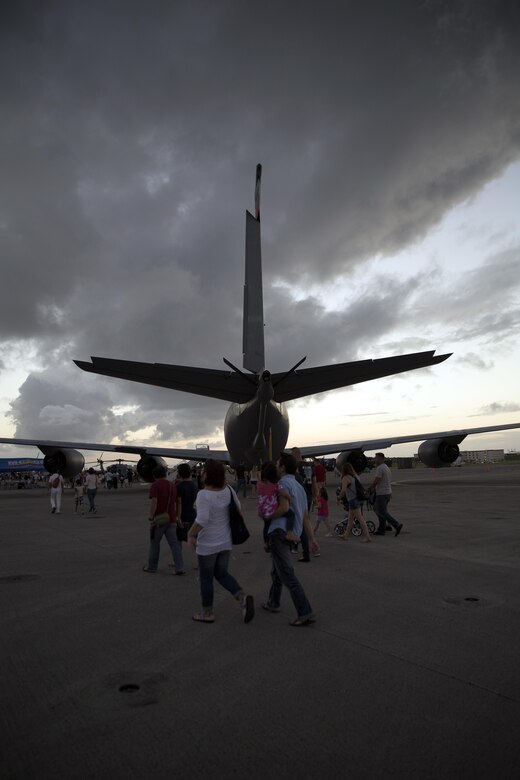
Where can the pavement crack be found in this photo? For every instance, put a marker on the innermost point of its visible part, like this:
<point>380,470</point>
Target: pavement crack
<point>418,665</point>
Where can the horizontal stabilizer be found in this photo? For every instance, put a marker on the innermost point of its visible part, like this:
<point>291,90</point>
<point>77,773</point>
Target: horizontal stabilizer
<point>225,385</point>
<point>309,381</point>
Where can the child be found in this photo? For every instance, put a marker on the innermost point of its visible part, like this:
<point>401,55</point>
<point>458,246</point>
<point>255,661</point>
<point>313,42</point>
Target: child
<point>268,491</point>
<point>322,511</point>
<point>79,492</point>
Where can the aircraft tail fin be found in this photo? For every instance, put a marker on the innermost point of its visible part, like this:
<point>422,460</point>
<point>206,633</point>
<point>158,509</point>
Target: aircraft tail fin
<point>253,335</point>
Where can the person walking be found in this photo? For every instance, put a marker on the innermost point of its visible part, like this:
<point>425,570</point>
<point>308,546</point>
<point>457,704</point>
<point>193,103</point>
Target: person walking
<point>322,512</point>
<point>306,476</point>
<point>210,536</point>
<point>382,485</point>
<point>56,485</point>
<point>282,571</point>
<point>186,496</point>
<point>163,499</point>
<point>349,491</point>
<point>79,492</point>
<point>240,473</point>
<point>320,473</point>
<point>91,483</point>
<point>253,480</point>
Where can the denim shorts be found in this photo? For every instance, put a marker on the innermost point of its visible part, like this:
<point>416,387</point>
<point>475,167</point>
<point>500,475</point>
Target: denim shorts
<point>354,503</point>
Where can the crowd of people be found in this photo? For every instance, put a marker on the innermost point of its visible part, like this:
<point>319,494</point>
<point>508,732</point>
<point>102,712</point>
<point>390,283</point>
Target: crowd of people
<point>23,480</point>
<point>86,484</point>
<point>194,508</point>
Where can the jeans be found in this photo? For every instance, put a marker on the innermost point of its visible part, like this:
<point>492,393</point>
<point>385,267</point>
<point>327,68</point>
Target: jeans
<point>384,517</point>
<point>305,545</point>
<point>303,536</point>
<point>242,486</point>
<point>282,573</point>
<point>170,532</point>
<point>91,494</point>
<point>216,566</point>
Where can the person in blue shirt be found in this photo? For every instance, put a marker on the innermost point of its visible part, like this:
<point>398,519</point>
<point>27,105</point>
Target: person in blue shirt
<point>282,571</point>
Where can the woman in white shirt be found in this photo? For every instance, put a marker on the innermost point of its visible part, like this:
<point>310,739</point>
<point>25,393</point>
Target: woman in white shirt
<point>91,484</point>
<point>56,487</point>
<point>210,535</point>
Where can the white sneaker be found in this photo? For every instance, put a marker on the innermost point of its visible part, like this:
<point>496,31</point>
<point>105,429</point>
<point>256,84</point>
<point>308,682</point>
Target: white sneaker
<point>329,535</point>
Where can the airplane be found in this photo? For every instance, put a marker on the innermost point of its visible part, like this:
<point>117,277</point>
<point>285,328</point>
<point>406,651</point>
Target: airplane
<point>256,425</point>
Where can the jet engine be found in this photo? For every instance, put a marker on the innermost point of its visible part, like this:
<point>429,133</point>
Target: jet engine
<point>356,458</point>
<point>438,453</point>
<point>147,464</point>
<point>68,462</point>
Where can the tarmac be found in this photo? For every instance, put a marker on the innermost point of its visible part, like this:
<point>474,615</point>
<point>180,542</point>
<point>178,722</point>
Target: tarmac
<point>410,671</point>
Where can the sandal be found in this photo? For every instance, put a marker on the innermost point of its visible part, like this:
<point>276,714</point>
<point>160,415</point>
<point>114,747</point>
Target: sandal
<point>200,617</point>
<point>303,621</point>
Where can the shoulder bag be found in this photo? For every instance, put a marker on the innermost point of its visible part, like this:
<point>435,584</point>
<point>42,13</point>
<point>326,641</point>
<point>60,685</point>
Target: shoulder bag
<point>164,517</point>
<point>239,532</point>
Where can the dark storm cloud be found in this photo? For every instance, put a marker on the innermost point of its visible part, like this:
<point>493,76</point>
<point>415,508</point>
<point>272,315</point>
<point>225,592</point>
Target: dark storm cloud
<point>51,408</point>
<point>306,327</point>
<point>128,141</point>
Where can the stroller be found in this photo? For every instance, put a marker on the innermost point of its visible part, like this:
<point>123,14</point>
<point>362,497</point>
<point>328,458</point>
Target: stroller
<point>341,527</point>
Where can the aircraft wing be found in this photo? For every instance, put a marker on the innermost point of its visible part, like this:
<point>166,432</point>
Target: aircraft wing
<point>226,385</point>
<point>451,437</point>
<point>162,452</point>
<point>309,381</point>
<point>199,454</point>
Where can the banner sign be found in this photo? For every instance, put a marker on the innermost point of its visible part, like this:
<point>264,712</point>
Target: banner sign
<point>21,464</point>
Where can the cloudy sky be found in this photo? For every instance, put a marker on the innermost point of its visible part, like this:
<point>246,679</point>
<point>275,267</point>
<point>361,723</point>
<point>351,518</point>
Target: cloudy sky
<point>389,135</point>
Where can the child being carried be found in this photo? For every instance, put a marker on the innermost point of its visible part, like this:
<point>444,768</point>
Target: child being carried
<point>269,491</point>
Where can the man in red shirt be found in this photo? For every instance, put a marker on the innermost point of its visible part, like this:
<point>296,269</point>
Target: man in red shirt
<point>163,499</point>
<point>320,472</point>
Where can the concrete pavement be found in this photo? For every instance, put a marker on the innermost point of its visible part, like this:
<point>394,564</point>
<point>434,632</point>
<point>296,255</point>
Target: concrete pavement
<point>104,674</point>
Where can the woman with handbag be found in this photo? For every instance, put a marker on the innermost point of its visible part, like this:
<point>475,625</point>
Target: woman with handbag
<point>163,521</point>
<point>210,535</point>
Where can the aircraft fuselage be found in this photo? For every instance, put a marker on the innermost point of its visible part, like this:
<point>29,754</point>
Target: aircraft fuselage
<point>258,430</point>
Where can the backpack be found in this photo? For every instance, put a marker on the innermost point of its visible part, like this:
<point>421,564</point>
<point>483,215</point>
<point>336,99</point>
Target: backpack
<point>55,482</point>
<point>360,490</point>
